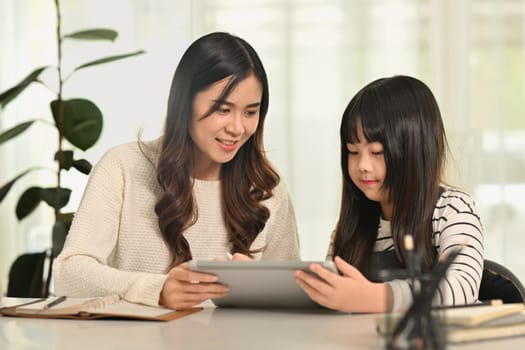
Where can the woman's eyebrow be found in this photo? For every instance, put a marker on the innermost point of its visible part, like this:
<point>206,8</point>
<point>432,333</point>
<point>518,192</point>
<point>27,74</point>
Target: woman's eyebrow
<point>227,103</point>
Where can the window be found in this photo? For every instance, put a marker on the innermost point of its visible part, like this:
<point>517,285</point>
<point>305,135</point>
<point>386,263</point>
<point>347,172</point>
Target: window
<point>318,53</point>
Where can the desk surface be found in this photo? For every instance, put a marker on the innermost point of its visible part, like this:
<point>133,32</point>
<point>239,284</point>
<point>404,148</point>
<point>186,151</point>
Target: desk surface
<point>208,329</point>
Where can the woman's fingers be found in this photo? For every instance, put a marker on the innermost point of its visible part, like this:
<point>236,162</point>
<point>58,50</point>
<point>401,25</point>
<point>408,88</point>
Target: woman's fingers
<point>240,257</point>
<point>184,273</point>
<point>203,288</point>
<point>185,288</point>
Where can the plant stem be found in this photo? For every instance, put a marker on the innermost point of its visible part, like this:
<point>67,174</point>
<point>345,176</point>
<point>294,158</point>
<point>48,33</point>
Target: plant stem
<point>60,105</point>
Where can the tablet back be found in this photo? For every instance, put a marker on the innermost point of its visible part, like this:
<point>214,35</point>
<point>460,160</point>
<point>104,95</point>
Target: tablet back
<point>260,284</point>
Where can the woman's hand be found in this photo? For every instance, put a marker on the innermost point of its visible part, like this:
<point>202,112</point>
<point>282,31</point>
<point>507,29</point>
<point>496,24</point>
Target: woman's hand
<point>351,292</point>
<point>233,257</point>
<point>185,288</point>
<point>240,257</point>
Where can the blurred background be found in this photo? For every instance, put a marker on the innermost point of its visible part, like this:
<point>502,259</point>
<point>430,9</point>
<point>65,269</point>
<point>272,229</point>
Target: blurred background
<point>317,53</point>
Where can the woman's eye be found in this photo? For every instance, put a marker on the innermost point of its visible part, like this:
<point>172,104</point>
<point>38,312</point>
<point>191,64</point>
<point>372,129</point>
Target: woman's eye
<point>352,153</point>
<point>377,153</point>
<point>251,113</point>
<point>223,110</point>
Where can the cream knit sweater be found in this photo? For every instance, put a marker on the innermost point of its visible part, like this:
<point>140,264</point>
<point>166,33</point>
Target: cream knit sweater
<point>115,246</point>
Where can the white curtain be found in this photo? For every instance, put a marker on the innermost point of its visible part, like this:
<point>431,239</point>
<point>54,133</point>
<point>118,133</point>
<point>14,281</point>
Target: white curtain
<point>318,53</point>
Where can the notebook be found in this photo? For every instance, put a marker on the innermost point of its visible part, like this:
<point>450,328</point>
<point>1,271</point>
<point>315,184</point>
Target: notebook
<point>260,284</point>
<point>476,315</point>
<point>111,306</point>
<point>504,327</point>
<point>471,322</point>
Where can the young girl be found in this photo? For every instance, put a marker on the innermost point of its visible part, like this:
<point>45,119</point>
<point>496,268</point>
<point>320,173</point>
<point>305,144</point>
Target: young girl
<point>392,158</point>
<point>203,189</point>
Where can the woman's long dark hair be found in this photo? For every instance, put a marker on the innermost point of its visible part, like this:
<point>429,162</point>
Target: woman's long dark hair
<point>246,180</point>
<point>402,114</point>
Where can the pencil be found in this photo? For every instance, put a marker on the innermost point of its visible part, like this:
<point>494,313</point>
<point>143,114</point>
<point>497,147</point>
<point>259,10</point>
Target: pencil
<point>55,302</point>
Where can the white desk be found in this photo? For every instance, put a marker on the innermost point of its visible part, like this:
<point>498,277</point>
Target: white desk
<point>209,329</point>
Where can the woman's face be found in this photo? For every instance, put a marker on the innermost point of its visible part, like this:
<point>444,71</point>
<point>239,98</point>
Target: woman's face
<point>367,169</point>
<point>219,136</point>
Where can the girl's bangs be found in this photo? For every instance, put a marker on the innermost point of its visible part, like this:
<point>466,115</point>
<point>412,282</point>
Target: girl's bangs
<point>368,116</point>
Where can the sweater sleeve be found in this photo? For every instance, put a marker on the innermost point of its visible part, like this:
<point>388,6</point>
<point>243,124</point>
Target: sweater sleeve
<point>282,242</point>
<point>456,225</point>
<point>83,267</point>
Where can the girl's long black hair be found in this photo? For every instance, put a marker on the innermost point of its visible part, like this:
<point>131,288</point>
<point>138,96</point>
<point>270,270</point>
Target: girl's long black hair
<point>402,114</point>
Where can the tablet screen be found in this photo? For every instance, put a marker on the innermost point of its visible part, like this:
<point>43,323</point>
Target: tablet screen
<point>260,284</point>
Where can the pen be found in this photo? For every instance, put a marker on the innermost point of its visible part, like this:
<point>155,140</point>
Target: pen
<point>55,302</point>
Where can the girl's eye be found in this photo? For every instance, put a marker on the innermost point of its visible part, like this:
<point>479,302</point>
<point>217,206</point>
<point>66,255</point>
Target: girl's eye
<point>377,153</point>
<point>352,153</point>
<point>222,110</point>
<point>251,113</point>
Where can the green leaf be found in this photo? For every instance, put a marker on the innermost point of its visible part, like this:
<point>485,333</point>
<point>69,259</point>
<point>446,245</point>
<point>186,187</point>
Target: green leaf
<point>67,159</point>
<point>56,197</point>
<point>60,230</point>
<point>66,218</point>
<point>28,202</point>
<point>15,131</point>
<point>83,166</point>
<point>82,123</point>
<point>4,190</point>
<point>93,34</point>
<point>8,95</point>
<point>109,59</point>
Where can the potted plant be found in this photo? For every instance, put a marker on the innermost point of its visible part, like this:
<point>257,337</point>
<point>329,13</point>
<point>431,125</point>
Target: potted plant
<point>78,124</point>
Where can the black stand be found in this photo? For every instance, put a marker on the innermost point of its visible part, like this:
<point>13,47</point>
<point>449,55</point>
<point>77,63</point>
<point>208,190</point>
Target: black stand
<point>420,328</point>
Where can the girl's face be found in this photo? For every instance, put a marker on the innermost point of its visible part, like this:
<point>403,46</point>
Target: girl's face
<point>219,136</point>
<point>367,170</point>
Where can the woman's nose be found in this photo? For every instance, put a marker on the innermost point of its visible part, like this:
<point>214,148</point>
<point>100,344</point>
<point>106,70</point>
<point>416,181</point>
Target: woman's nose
<point>234,125</point>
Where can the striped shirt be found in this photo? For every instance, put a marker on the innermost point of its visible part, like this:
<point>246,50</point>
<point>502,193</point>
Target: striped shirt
<point>455,223</point>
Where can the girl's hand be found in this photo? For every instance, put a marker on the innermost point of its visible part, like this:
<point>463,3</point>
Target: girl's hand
<point>185,288</point>
<point>351,292</point>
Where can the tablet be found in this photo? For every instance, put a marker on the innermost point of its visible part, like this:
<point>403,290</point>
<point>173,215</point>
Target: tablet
<point>260,284</point>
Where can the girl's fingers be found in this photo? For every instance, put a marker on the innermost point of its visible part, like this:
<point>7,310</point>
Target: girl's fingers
<point>324,274</point>
<point>346,269</point>
<point>320,296</point>
<point>314,283</point>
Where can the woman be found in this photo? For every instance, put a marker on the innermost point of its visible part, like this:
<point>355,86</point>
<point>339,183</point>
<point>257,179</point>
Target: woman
<point>203,189</point>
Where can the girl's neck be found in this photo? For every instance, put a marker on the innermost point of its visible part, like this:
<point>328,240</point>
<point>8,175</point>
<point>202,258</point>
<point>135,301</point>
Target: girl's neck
<point>387,208</point>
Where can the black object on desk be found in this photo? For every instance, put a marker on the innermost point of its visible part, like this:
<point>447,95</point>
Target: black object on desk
<point>419,328</point>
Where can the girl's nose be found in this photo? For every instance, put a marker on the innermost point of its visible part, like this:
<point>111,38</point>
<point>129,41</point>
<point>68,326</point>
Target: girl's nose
<point>364,164</point>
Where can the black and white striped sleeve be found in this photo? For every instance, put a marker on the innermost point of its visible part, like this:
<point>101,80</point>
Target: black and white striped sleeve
<point>456,225</point>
